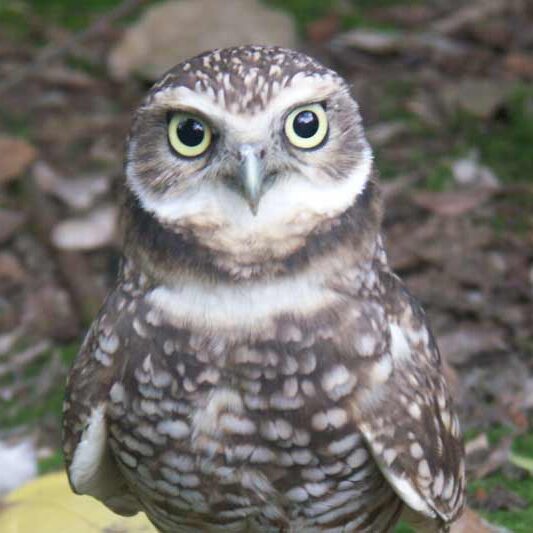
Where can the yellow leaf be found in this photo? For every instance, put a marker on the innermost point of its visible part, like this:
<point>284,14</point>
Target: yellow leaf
<point>47,505</point>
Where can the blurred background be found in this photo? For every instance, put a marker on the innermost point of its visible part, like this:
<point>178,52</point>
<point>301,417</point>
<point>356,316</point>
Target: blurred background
<point>445,88</point>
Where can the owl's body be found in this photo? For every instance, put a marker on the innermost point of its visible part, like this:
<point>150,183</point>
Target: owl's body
<point>257,366</point>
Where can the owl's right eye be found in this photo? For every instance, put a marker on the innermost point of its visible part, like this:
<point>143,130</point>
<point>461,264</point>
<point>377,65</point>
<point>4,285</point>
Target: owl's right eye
<point>189,135</point>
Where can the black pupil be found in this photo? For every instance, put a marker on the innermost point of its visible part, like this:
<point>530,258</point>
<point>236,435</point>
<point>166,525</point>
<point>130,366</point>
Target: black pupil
<point>306,124</point>
<point>191,132</point>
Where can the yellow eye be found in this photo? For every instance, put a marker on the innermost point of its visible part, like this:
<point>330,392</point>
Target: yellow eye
<point>189,135</point>
<point>307,126</point>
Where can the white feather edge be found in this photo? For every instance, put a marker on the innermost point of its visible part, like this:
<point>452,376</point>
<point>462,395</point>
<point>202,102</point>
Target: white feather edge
<point>402,486</point>
<point>92,470</point>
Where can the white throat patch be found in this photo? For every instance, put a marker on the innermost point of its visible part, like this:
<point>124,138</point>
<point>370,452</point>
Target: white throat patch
<point>245,306</point>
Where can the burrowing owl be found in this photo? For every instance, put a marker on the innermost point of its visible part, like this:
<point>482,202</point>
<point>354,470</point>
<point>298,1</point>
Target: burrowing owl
<point>257,366</point>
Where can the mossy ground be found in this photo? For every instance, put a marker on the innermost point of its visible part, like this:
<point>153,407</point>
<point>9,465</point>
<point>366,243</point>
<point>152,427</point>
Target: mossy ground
<point>518,520</point>
<point>504,144</point>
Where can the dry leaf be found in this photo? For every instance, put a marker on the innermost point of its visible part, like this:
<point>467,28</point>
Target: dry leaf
<point>52,314</point>
<point>471,522</point>
<point>386,43</point>
<point>371,41</point>
<point>452,203</point>
<point>520,64</point>
<point>10,222</point>
<point>16,156</point>
<point>384,132</point>
<point>496,459</point>
<point>78,193</point>
<point>66,77</point>
<point>494,33</point>
<point>472,13</point>
<point>323,29</point>
<point>11,270</point>
<point>405,14</point>
<point>467,340</point>
<point>50,503</point>
<point>502,499</point>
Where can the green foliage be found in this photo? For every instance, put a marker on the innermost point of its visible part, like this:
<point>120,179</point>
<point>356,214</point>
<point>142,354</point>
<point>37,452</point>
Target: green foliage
<point>307,11</point>
<point>504,142</point>
<point>392,102</point>
<point>67,13</point>
<point>304,11</point>
<point>52,463</point>
<point>403,528</point>
<point>48,406</point>
<point>439,178</point>
<point>518,520</point>
<point>523,445</point>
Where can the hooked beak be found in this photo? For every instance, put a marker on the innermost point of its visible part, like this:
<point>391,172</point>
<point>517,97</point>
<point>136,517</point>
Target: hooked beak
<point>251,175</point>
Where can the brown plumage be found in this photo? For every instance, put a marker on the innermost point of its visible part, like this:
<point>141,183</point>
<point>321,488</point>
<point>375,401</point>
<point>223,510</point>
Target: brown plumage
<point>257,366</point>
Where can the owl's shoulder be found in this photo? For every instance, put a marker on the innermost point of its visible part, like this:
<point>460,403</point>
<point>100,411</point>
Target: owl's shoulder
<point>408,419</point>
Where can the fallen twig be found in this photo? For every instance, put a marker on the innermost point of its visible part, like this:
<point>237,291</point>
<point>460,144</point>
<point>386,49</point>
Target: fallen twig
<point>22,359</point>
<point>497,458</point>
<point>469,15</point>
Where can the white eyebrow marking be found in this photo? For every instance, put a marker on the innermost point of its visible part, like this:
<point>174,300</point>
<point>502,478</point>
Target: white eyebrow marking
<point>301,90</point>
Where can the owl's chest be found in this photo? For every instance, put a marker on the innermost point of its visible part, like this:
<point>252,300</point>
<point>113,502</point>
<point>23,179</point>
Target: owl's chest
<point>271,404</point>
<point>266,436</point>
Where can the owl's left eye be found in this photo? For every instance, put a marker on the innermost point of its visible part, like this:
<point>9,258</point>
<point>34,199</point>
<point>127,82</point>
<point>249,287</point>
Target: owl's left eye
<point>189,135</point>
<point>307,126</point>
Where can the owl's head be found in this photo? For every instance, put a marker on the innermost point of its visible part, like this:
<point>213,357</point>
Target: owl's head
<point>245,152</point>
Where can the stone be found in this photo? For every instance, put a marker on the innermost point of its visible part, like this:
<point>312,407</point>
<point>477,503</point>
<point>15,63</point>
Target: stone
<point>171,32</point>
<point>479,97</point>
<point>90,232</point>
<point>468,171</point>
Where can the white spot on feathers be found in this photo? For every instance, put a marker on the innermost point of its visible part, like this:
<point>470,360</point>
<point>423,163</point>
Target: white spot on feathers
<point>414,410</point>
<point>220,401</point>
<point>177,429</point>
<point>400,348</point>
<point>416,450</point>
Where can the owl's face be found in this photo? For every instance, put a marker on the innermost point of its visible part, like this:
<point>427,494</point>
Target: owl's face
<point>248,150</point>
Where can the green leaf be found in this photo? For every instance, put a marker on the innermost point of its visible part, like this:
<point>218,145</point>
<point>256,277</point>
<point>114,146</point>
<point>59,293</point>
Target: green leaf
<point>522,462</point>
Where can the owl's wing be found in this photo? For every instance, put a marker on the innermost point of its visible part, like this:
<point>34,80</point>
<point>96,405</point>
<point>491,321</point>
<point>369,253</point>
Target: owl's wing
<point>408,421</point>
<point>91,467</point>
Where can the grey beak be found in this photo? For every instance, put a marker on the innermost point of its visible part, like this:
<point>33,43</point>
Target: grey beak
<point>251,175</point>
